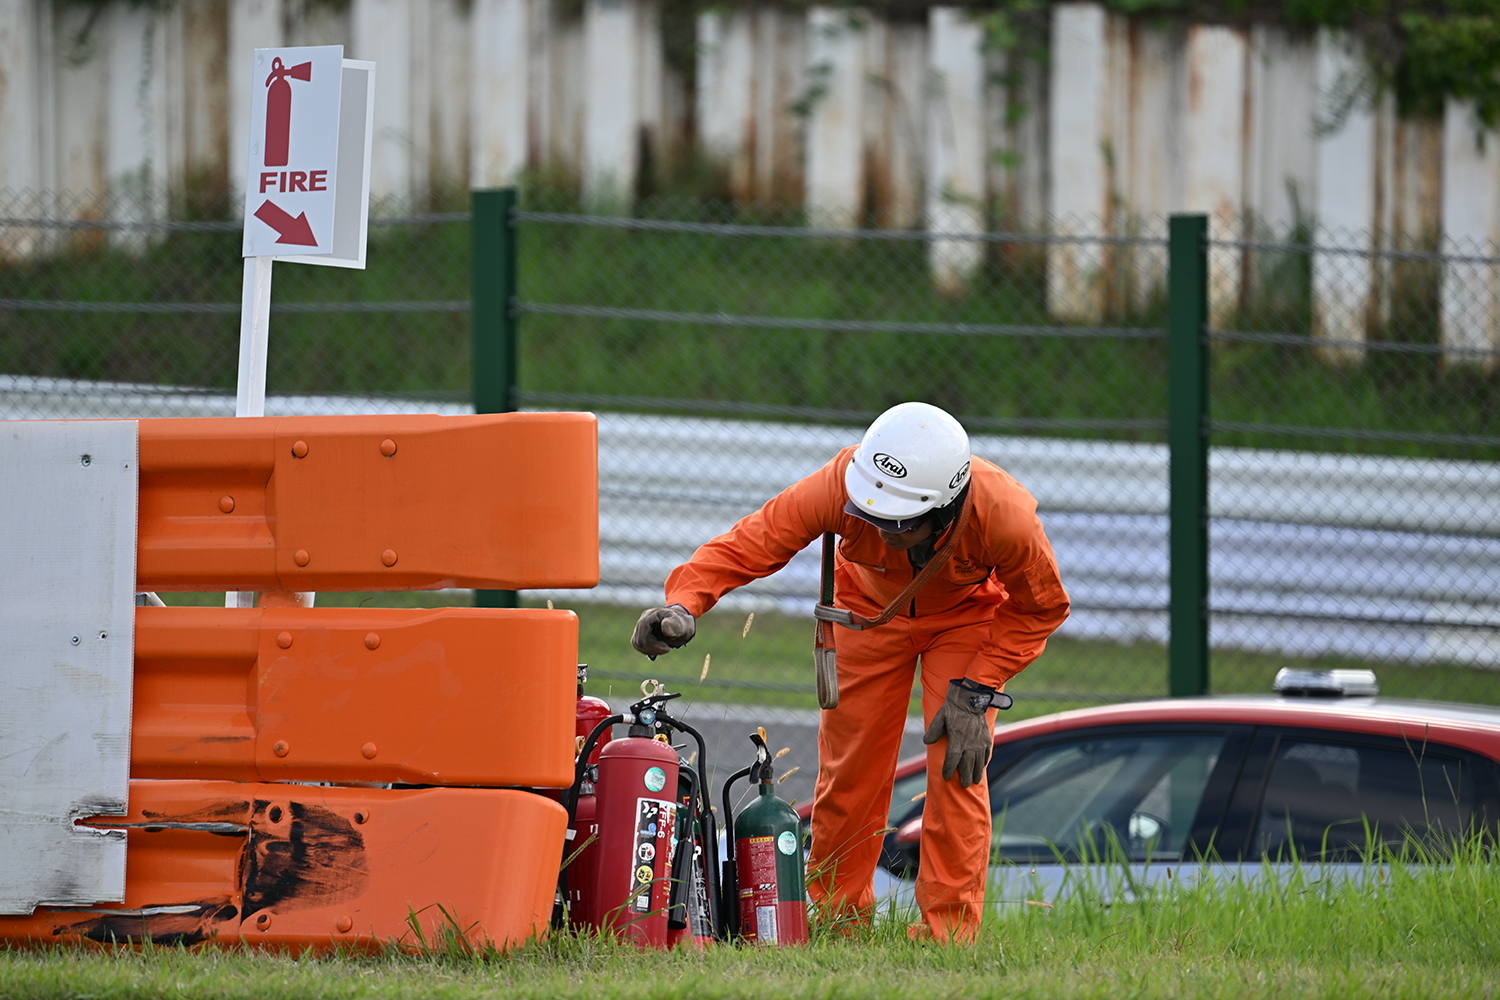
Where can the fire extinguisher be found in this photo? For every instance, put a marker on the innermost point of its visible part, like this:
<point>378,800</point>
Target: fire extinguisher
<point>579,852</point>
<point>765,897</point>
<point>279,109</point>
<point>629,885</point>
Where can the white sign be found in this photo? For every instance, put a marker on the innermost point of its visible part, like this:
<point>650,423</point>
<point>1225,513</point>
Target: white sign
<point>291,184</point>
<point>351,213</point>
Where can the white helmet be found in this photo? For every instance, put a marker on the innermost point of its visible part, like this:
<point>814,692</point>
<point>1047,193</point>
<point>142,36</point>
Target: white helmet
<point>914,459</point>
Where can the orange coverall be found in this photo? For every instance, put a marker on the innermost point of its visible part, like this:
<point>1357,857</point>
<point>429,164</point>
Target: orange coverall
<point>985,615</point>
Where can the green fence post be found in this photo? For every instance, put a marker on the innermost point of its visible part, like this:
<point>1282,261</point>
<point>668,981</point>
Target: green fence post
<point>1187,440</point>
<point>493,275</point>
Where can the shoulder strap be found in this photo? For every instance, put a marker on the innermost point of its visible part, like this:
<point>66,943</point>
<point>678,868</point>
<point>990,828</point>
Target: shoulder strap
<point>827,612</point>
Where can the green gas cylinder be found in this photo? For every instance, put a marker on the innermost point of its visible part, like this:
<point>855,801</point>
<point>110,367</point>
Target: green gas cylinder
<point>768,864</point>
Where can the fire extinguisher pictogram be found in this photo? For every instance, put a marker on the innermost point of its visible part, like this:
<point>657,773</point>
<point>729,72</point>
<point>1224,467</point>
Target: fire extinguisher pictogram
<point>279,109</point>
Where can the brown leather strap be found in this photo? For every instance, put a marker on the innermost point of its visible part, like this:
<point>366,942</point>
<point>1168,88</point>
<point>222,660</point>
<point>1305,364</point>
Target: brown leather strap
<point>856,621</point>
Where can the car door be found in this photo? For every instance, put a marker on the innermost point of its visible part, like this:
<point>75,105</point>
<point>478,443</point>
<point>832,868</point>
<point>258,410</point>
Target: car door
<point>1317,794</point>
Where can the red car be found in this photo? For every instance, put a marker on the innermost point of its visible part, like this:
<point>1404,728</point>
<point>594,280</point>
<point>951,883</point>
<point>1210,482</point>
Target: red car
<point>1311,774</point>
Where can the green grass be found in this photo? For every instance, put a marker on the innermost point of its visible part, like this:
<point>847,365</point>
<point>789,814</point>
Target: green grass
<point>1406,931</point>
<point>777,651</point>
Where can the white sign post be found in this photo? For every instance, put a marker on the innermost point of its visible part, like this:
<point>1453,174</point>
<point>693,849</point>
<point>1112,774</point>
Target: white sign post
<point>307,192</point>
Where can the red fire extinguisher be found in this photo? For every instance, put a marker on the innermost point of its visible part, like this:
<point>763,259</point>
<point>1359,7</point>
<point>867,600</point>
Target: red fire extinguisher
<point>637,819</point>
<point>579,852</point>
<point>633,883</point>
<point>279,109</point>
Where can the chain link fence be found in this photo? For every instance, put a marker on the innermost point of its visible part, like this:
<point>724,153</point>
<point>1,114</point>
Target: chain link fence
<point>1354,490</point>
<point>106,313</point>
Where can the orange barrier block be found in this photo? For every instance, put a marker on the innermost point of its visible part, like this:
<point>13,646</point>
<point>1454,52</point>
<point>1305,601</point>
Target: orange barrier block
<point>292,866</point>
<point>500,501</point>
<point>452,696</point>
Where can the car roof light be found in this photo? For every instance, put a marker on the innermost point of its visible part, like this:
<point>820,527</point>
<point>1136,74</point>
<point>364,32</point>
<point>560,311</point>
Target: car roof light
<point>1325,683</point>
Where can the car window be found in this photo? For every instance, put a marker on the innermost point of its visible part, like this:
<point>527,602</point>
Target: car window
<point>904,791</point>
<point>1321,795</point>
<point>1092,798</point>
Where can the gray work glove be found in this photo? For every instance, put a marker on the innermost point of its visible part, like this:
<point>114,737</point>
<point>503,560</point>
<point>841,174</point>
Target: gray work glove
<point>970,739</point>
<point>661,630</point>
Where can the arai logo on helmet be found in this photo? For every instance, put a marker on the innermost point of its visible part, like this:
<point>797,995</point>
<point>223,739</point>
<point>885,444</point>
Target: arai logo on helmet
<point>959,477</point>
<point>889,465</point>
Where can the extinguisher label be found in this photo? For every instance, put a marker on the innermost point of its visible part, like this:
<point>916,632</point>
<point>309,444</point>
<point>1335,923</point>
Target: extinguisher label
<point>757,872</point>
<point>765,924</point>
<point>655,823</point>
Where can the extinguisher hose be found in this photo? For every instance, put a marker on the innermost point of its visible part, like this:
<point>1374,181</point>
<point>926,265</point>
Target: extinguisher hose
<point>580,768</point>
<point>702,802</point>
<point>682,862</point>
<point>730,900</point>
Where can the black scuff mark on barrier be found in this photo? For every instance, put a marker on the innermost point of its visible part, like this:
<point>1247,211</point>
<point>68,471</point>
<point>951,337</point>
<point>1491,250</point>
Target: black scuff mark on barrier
<point>201,922</point>
<point>230,811</point>
<point>310,857</point>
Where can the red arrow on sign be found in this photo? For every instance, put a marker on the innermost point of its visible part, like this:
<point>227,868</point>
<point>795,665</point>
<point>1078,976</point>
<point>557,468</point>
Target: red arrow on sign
<point>294,231</point>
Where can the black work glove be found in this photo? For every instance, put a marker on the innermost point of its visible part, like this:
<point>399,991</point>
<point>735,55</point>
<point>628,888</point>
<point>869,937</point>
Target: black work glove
<point>661,630</point>
<point>963,718</point>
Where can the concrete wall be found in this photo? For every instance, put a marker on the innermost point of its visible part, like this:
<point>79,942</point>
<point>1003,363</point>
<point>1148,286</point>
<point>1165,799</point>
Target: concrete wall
<point>859,119</point>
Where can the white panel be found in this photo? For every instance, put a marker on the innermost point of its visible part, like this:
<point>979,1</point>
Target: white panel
<point>612,114</point>
<point>1153,186</point>
<point>651,80</point>
<point>1079,136</point>
<point>20,121</point>
<point>1213,164</point>
<point>1283,110</point>
<point>136,150</point>
<point>380,31</point>
<point>83,89</point>
<point>498,92</point>
<point>727,92</point>
<point>203,85</point>
<point>67,611</point>
<point>1471,227</point>
<point>25,94</point>
<point>835,184</point>
<point>906,91</point>
<point>955,145</point>
<point>1345,201</point>
<point>543,38</point>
